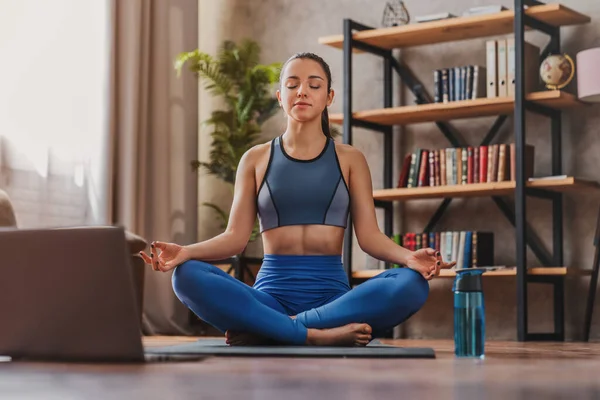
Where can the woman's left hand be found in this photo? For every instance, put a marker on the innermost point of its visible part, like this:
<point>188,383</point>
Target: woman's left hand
<point>428,262</point>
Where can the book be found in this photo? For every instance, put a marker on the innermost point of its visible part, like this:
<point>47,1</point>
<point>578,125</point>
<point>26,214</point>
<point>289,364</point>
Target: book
<point>481,10</point>
<point>434,17</point>
<point>547,178</point>
<point>403,179</point>
<point>437,86</point>
<point>478,88</point>
<point>444,88</point>
<point>529,161</point>
<point>491,56</point>
<point>501,68</point>
<point>530,69</point>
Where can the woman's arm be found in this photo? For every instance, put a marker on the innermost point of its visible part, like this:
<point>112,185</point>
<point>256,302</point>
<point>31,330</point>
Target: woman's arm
<point>370,238</point>
<point>241,218</point>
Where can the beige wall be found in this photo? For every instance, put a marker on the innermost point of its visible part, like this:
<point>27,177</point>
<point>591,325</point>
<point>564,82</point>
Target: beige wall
<point>286,27</point>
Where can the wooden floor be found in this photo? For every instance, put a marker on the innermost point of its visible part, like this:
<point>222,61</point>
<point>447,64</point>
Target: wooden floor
<point>511,370</point>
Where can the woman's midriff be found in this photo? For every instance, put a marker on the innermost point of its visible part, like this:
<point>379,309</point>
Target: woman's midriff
<point>304,240</point>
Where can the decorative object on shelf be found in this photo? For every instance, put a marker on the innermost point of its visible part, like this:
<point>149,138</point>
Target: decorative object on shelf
<point>395,14</point>
<point>557,71</point>
<point>588,76</point>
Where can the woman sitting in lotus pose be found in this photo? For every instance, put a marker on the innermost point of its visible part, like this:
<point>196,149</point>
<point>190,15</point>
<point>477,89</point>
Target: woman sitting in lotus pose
<point>303,186</point>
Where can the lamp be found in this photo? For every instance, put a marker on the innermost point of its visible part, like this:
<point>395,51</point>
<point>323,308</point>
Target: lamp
<point>588,75</point>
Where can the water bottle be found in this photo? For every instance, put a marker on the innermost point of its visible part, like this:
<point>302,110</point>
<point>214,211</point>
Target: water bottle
<point>469,313</point>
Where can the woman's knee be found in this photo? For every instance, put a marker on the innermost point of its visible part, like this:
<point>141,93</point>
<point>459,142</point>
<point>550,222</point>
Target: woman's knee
<point>187,277</point>
<point>411,287</point>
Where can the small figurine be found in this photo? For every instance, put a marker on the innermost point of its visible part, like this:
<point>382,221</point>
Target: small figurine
<point>394,14</point>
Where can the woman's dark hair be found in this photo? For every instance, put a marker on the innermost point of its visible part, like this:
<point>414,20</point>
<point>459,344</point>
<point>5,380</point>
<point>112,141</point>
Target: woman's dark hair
<point>314,57</point>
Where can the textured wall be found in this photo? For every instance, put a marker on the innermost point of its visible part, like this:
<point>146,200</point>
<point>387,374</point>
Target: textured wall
<point>285,27</point>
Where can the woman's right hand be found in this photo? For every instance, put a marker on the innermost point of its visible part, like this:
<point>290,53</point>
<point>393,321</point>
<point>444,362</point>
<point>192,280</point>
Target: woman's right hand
<point>170,256</point>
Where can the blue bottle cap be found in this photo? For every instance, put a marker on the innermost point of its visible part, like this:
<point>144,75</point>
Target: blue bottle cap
<point>468,280</point>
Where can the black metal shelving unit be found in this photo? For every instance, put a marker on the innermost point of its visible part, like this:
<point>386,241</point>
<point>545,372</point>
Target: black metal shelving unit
<point>516,214</point>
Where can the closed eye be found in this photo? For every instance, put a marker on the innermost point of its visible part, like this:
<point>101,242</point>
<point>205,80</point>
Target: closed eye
<point>295,86</point>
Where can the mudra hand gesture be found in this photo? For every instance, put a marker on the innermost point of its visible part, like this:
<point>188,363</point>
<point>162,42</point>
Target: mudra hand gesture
<point>170,256</point>
<point>428,262</point>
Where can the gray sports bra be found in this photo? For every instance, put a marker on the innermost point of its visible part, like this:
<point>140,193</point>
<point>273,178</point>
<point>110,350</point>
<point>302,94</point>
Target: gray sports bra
<point>302,192</point>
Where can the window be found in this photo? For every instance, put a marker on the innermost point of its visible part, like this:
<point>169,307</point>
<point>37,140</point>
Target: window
<point>54,76</point>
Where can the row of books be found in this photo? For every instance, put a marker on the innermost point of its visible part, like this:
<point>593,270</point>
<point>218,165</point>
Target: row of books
<point>467,248</point>
<point>466,82</point>
<point>496,79</point>
<point>463,165</point>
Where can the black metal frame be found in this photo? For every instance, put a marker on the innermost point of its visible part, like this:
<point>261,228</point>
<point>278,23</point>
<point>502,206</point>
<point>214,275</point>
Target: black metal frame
<point>589,309</point>
<point>524,234</point>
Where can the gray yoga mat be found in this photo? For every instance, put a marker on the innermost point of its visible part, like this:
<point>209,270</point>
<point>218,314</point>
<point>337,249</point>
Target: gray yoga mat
<point>218,347</point>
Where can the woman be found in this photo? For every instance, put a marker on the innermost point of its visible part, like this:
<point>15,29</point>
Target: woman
<point>302,185</point>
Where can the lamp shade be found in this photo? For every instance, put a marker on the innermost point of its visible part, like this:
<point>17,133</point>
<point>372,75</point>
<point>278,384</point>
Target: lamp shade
<point>588,75</point>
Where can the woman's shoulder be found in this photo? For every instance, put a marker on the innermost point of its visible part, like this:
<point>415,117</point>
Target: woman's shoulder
<point>257,154</point>
<point>348,151</point>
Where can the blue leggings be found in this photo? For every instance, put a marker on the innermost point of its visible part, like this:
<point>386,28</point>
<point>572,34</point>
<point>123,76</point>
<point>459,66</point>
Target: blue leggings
<point>314,288</point>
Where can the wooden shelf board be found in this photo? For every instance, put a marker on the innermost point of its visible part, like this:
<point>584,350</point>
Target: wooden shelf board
<point>512,271</point>
<point>482,189</point>
<point>481,107</point>
<point>460,28</point>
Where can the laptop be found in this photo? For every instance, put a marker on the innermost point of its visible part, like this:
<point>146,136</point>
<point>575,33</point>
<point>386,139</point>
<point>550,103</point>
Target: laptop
<point>67,295</point>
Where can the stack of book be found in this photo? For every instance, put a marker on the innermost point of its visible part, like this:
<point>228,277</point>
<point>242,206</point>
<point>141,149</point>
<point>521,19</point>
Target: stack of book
<point>467,248</point>
<point>463,165</point>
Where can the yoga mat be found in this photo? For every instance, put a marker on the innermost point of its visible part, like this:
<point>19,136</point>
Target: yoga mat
<point>218,347</point>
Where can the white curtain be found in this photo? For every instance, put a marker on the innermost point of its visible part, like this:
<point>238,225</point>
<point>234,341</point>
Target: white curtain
<point>54,71</point>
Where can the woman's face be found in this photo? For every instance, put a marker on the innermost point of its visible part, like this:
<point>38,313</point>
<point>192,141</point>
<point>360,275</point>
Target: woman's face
<point>303,94</point>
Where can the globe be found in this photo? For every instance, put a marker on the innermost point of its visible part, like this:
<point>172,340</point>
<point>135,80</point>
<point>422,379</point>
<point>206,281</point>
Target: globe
<point>557,71</point>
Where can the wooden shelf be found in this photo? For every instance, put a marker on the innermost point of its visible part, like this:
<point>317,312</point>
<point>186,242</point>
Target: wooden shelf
<point>481,107</point>
<point>482,189</point>
<point>512,271</point>
<point>460,28</point>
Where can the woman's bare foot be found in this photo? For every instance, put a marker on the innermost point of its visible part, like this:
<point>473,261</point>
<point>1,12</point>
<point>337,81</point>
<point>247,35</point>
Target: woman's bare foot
<point>233,338</point>
<point>347,335</point>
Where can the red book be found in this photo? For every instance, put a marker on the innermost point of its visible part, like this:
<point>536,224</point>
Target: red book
<point>483,168</point>
<point>403,180</point>
<point>476,165</point>
<point>410,241</point>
